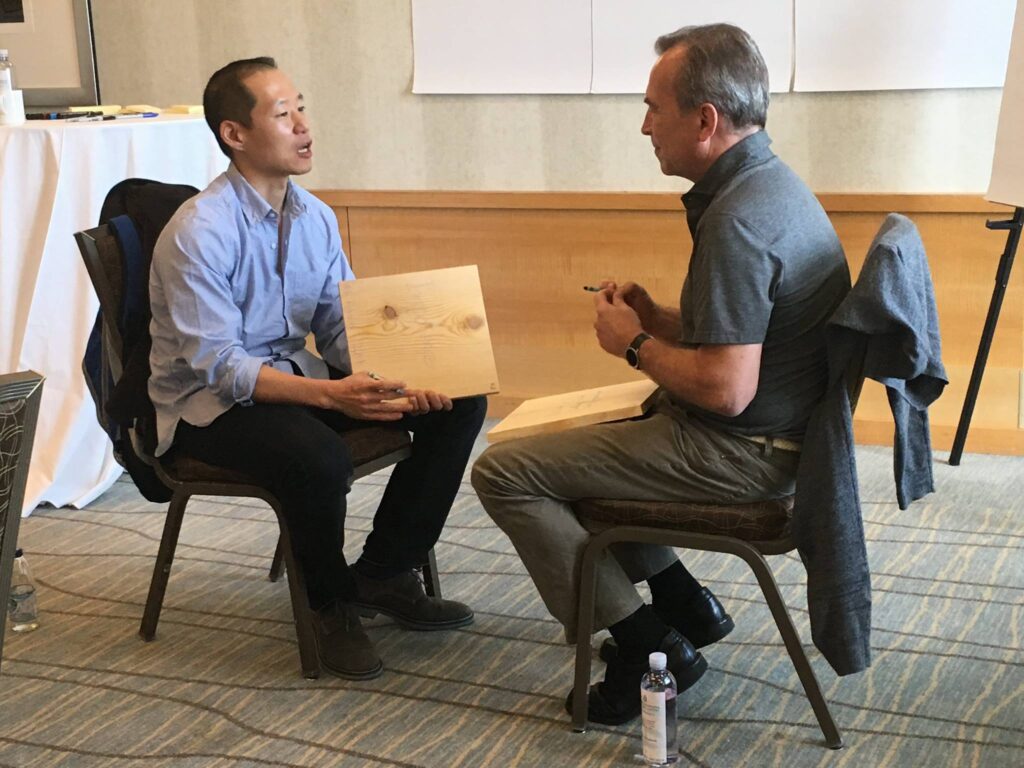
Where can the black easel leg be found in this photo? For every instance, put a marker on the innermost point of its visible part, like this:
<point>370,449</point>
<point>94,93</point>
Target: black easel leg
<point>1002,279</point>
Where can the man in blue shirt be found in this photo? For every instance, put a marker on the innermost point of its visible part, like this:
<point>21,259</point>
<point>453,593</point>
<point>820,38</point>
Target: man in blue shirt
<point>241,275</point>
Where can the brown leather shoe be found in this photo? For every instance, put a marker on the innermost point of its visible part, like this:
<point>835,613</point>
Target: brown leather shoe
<point>403,599</point>
<point>342,644</point>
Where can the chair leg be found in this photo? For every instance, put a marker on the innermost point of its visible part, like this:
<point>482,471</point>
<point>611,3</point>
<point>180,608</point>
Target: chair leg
<point>431,581</point>
<point>812,688</point>
<point>308,657</point>
<point>278,562</point>
<point>584,628</point>
<point>162,567</point>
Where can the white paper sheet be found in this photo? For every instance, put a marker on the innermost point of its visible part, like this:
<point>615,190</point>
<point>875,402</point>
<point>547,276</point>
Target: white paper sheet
<point>625,31</point>
<point>867,45</point>
<point>1007,184</point>
<point>501,46</point>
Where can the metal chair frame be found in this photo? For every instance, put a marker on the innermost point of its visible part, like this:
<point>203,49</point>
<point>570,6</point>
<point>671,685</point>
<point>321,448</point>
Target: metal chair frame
<point>752,553</point>
<point>93,244</point>
<point>20,394</point>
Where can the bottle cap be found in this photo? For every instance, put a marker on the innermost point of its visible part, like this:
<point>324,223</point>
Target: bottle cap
<point>17,552</point>
<point>657,660</point>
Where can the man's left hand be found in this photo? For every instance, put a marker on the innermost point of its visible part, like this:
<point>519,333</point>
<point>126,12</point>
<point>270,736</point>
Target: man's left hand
<point>425,400</point>
<point>616,323</point>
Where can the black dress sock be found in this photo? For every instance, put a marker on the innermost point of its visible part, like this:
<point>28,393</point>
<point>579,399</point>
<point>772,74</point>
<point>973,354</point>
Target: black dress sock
<point>672,587</point>
<point>639,634</point>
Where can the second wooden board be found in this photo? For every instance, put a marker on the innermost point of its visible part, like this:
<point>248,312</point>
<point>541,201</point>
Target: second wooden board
<point>428,329</point>
<point>576,409</point>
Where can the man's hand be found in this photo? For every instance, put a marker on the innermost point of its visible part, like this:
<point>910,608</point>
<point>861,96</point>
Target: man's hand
<point>617,323</point>
<point>637,297</point>
<point>363,396</point>
<point>425,400</point>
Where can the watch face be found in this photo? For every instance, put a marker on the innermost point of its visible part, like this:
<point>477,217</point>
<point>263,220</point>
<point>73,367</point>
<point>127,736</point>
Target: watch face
<point>632,357</point>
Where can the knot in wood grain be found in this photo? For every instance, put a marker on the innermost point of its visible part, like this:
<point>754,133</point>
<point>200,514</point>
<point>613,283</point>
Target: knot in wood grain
<point>390,312</point>
<point>474,321</point>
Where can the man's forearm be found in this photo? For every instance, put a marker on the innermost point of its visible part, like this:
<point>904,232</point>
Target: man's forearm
<point>274,386</point>
<point>664,324</point>
<point>718,378</point>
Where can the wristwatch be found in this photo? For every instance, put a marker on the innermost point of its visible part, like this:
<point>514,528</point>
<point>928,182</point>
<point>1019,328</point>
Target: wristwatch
<point>633,350</point>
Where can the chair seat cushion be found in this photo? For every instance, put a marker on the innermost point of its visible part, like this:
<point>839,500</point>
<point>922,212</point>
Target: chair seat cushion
<point>754,521</point>
<point>366,444</point>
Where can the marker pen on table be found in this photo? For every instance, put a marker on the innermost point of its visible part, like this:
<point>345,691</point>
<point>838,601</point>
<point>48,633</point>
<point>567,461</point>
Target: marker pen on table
<point>592,288</point>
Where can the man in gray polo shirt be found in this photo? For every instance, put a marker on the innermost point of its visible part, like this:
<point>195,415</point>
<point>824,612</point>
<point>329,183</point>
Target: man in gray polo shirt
<point>740,364</point>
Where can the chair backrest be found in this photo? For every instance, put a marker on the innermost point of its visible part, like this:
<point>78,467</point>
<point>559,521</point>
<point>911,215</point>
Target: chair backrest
<point>19,410</point>
<point>103,261</point>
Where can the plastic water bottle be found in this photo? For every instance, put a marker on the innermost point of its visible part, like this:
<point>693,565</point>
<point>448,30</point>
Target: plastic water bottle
<point>6,81</point>
<point>21,606</point>
<point>658,709</point>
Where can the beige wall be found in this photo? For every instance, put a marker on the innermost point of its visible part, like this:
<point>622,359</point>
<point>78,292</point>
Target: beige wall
<point>353,60</point>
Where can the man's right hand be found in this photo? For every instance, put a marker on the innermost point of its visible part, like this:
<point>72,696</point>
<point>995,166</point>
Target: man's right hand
<point>362,396</point>
<point>637,297</point>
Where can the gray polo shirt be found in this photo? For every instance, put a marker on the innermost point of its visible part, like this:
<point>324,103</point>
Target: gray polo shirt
<point>767,268</point>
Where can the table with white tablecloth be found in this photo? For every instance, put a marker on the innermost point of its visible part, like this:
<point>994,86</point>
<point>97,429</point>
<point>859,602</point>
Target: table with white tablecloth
<point>54,176</point>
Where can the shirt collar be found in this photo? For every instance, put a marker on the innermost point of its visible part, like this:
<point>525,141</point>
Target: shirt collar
<point>748,152</point>
<point>254,207</point>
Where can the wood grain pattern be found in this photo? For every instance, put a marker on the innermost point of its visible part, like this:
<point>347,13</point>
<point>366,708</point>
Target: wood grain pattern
<point>428,329</point>
<point>536,250</point>
<point>553,413</point>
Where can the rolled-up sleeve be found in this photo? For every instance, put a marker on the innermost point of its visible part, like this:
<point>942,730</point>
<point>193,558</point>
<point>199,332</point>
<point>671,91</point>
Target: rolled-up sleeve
<point>195,274</point>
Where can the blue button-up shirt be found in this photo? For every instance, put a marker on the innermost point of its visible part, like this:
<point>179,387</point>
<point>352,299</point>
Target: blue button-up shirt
<point>233,287</point>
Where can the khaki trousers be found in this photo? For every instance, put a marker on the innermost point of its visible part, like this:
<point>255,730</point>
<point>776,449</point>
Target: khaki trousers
<point>527,485</point>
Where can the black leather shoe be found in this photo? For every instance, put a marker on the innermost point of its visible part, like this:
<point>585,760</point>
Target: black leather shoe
<point>616,699</point>
<point>403,598</point>
<point>342,644</point>
<point>702,620</point>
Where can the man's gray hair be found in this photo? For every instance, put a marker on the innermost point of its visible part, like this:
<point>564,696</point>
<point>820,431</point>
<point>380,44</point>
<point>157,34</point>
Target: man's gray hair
<point>722,66</point>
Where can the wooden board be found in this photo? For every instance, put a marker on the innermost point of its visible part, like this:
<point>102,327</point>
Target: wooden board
<point>428,329</point>
<point>575,409</point>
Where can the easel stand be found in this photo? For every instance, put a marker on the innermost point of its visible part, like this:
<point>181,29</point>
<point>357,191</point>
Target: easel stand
<point>1013,227</point>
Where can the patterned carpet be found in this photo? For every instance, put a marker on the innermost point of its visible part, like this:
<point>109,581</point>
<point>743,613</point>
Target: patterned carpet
<point>221,686</point>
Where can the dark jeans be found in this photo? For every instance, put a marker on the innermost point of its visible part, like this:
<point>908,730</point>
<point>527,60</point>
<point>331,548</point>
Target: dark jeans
<point>298,455</point>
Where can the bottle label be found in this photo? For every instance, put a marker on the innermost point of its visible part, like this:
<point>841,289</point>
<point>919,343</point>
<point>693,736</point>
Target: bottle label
<point>652,707</point>
<point>6,85</point>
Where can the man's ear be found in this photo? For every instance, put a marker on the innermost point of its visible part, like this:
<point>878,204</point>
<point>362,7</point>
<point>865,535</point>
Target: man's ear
<point>233,134</point>
<point>709,121</point>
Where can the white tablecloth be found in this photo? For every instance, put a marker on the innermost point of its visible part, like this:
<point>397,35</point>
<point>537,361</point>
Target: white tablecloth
<point>54,177</point>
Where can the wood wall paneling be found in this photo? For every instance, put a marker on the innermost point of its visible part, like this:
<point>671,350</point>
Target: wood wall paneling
<point>535,251</point>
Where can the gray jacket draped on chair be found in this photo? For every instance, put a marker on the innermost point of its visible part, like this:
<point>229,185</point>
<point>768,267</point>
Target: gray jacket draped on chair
<point>886,329</point>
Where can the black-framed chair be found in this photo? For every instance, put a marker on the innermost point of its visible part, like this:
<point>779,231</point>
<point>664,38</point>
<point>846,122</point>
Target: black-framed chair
<point>372,449</point>
<point>20,394</point>
<point>749,531</point>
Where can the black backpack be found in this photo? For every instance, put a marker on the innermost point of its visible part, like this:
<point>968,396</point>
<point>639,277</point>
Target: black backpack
<point>136,211</point>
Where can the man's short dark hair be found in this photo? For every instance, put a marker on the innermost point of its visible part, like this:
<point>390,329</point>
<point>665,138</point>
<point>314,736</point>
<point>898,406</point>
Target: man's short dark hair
<point>226,97</point>
<point>722,66</point>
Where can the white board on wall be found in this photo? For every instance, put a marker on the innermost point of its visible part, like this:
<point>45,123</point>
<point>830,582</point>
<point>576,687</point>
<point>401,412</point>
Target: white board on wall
<point>625,31</point>
<point>501,46</point>
<point>874,45</point>
<point>1007,183</point>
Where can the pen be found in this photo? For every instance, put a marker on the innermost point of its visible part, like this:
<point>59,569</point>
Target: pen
<point>591,288</point>
<point>137,114</point>
<point>375,377</point>
<point>84,119</point>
